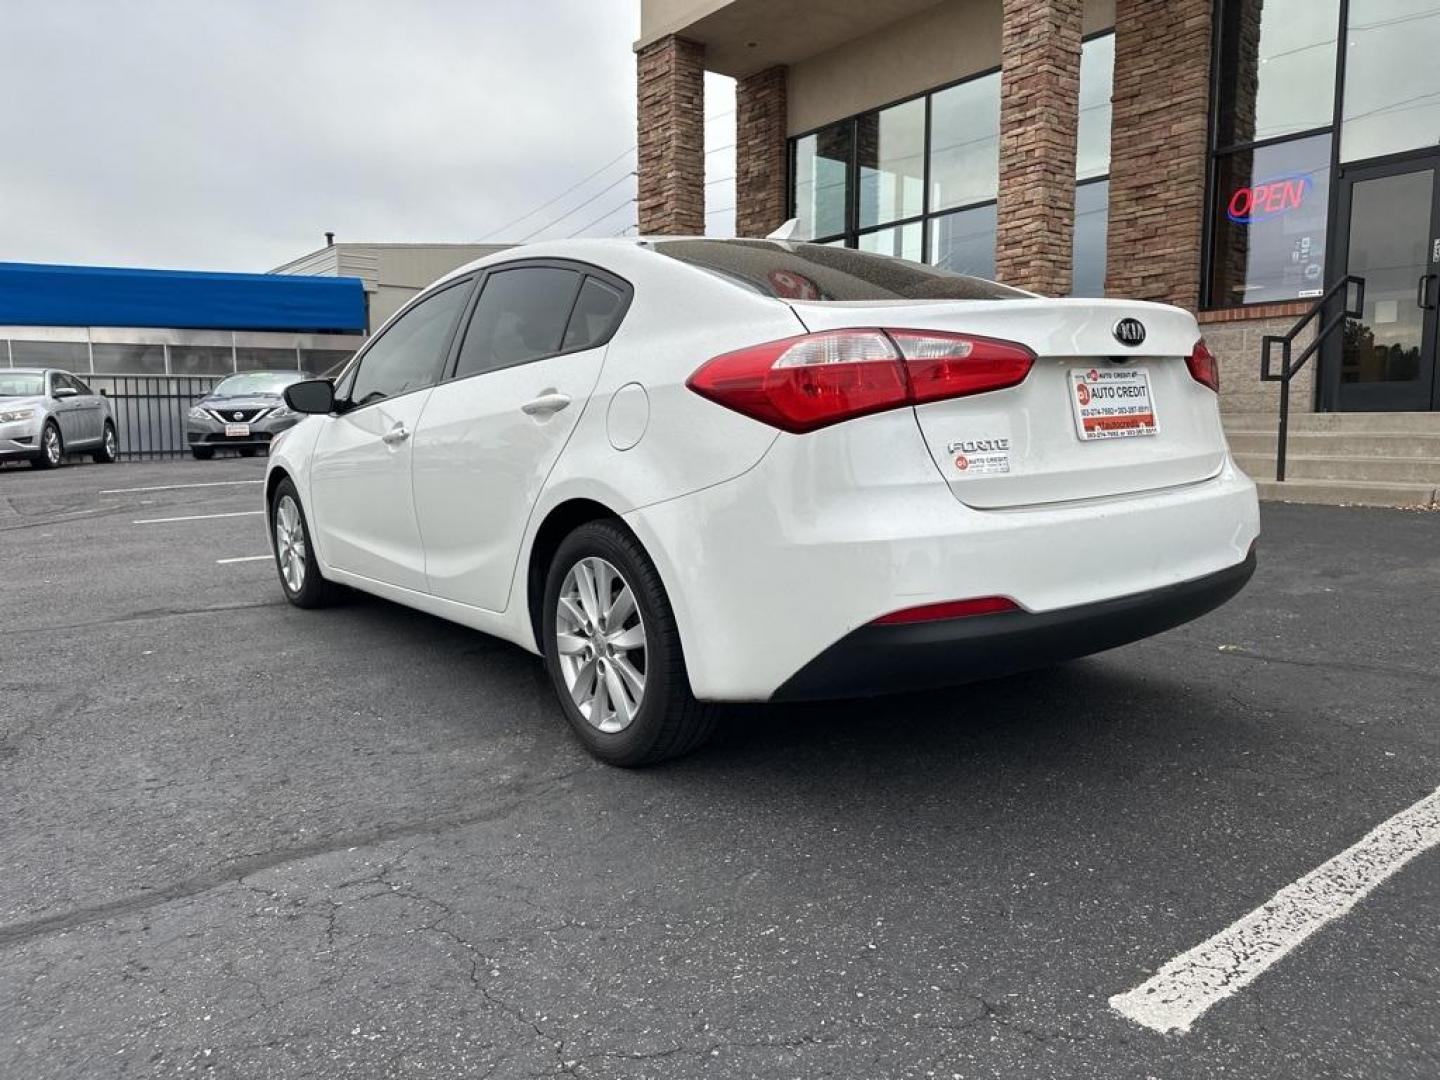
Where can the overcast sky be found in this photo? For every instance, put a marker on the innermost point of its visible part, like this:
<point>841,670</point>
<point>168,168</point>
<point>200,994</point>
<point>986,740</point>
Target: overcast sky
<point>230,134</point>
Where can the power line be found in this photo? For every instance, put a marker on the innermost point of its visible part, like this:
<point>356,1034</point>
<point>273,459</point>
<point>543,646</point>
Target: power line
<point>609,213</point>
<point>557,198</point>
<point>578,206</point>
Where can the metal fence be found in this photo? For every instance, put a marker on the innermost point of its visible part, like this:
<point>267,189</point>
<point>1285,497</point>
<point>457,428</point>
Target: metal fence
<point>150,411</point>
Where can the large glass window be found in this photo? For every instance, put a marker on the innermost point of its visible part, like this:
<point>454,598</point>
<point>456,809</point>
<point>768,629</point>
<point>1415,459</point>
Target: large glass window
<point>1097,82</point>
<point>965,241</point>
<point>920,179</point>
<point>69,355</point>
<point>1269,209</point>
<point>125,359</point>
<point>965,143</point>
<point>1392,78</point>
<point>1277,68</point>
<point>822,181</point>
<point>201,360</point>
<point>890,151</point>
<point>1092,218</point>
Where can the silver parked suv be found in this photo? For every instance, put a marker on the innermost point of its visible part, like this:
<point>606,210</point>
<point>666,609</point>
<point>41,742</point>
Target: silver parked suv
<point>46,414</point>
<point>244,412</point>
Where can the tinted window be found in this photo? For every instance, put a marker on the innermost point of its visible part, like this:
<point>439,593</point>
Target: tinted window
<point>595,317</point>
<point>520,317</point>
<point>817,272</point>
<point>411,352</point>
<point>75,384</point>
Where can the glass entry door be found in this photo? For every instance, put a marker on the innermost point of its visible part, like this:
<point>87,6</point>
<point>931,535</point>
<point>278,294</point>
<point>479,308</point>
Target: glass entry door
<point>1389,234</point>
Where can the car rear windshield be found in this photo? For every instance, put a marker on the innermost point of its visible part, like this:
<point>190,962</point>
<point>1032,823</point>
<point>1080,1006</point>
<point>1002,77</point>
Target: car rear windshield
<point>17,385</point>
<point>257,382</point>
<point>789,271</point>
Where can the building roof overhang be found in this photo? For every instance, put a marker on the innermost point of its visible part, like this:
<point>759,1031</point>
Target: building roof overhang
<point>742,37</point>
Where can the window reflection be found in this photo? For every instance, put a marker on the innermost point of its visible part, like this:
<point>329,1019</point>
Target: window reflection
<point>965,143</point>
<point>1392,78</point>
<point>890,151</point>
<point>1097,78</point>
<point>822,169</point>
<point>1277,68</point>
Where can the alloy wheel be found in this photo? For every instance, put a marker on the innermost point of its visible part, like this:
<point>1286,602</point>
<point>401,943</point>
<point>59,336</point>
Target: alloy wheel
<point>51,445</point>
<point>290,543</point>
<point>109,442</point>
<point>600,640</point>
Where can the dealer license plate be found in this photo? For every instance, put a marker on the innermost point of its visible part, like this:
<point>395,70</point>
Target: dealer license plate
<point>1112,403</point>
<point>237,431</point>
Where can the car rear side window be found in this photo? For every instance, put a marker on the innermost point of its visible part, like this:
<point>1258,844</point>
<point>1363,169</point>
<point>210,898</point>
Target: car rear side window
<point>597,313</point>
<point>410,354</point>
<point>520,316</point>
<point>789,271</point>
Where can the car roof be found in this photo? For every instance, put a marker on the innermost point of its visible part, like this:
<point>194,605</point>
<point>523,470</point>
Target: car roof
<point>29,370</point>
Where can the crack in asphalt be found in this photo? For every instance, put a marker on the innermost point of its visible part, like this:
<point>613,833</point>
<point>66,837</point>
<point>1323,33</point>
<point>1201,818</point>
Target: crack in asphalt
<point>144,616</point>
<point>235,871</point>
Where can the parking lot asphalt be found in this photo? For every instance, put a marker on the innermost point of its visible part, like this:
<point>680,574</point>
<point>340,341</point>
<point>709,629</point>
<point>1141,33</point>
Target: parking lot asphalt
<point>251,841</point>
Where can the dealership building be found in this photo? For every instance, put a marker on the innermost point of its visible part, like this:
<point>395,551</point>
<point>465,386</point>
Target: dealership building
<point>1234,157</point>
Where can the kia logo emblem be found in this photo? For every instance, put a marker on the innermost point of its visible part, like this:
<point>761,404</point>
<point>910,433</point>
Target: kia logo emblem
<point>1130,332</point>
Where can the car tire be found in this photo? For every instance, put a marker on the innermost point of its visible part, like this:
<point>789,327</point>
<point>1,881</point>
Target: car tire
<point>290,533</point>
<point>109,447</point>
<point>249,451</point>
<point>201,453</point>
<point>52,447</point>
<point>668,721</point>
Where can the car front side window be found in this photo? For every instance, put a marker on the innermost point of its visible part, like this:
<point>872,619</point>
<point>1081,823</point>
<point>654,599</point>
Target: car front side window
<point>411,353</point>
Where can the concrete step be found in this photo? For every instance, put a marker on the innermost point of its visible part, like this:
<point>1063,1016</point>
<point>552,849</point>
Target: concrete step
<point>1339,443</point>
<point>1393,423</point>
<point>1379,470</point>
<point>1341,493</point>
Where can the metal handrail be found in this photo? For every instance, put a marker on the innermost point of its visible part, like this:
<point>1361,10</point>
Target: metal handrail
<point>1291,366</point>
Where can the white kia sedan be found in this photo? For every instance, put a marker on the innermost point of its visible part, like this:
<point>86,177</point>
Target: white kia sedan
<point>688,471</point>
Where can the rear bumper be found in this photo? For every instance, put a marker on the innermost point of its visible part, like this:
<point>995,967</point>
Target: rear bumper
<point>832,530</point>
<point>889,659</point>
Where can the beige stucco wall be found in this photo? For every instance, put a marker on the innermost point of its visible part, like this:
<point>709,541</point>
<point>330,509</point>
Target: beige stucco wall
<point>939,45</point>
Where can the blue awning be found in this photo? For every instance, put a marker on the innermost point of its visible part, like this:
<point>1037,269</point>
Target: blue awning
<point>35,294</point>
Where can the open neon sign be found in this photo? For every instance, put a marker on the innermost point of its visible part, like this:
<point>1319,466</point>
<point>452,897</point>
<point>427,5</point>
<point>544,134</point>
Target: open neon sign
<point>1269,199</point>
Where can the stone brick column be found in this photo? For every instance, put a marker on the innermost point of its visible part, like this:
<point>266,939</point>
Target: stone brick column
<point>671,137</point>
<point>761,165</point>
<point>1039,111</point>
<point>1157,149</point>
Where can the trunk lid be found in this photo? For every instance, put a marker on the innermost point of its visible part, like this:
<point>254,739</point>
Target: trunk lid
<point>1022,446</point>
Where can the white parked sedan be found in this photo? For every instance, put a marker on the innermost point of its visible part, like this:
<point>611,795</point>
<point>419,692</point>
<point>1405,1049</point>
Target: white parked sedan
<point>688,471</point>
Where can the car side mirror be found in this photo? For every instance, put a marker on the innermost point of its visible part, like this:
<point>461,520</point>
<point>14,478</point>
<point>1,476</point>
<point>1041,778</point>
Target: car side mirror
<point>65,391</point>
<point>314,396</point>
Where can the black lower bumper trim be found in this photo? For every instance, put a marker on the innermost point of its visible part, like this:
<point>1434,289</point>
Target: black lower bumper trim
<point>890,659</point>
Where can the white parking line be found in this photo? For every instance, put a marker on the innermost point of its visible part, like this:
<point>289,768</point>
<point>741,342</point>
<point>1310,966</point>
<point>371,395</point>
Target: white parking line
<point>241,558</point>
<point>177,487</point>
<point>1182,990</point>
<point>197,517</point>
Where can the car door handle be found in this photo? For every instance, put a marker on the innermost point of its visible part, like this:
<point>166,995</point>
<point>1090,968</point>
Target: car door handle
<point>396,435</point>
<point>549,402</point>
<point>1422,292</point>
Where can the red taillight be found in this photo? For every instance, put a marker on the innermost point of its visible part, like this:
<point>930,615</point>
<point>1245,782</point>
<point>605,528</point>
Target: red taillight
<point>1203,366</point>
<point>950,609</point>
<point>953,365</point>
<point>803,383</point>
